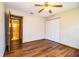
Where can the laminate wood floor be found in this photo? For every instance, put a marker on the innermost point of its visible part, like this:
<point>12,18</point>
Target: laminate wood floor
<point>43,48</point>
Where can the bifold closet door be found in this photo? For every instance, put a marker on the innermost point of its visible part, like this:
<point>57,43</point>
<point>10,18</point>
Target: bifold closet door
<point>52,30</point>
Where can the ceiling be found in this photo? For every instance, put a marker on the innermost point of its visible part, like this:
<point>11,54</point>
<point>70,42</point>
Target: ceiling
<point>29,7</point>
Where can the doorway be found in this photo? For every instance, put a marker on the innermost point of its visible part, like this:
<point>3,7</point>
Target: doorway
<point>14,32</point>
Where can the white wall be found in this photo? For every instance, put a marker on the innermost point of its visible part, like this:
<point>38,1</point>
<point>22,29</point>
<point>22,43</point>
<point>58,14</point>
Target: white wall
<point>52,30</point>
<point>69,27</point>
<point>33,25</point>
<point>2,30</point>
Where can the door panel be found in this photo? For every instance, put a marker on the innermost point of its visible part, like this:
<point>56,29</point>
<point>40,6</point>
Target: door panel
<point>15,40</point>
<point>14,32</point>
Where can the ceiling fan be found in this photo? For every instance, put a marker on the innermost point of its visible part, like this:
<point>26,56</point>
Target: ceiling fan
<point>47,6</point>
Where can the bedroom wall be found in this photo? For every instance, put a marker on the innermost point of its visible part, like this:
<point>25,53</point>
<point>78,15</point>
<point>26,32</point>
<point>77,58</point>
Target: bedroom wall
<point>2,30</point>
<point>33,25</point>
<point>52,30</point>
<point>69,27</point>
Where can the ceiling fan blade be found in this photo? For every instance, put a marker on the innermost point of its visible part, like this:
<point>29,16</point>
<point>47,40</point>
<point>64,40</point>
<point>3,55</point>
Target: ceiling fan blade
<point>38,5</point>
<point>41,10</point>
<point>46,3</point>
<point>50,11</point>
<point>57,5</point>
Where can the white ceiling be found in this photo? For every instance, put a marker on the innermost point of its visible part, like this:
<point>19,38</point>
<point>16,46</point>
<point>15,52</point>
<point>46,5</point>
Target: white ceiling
<point>29,7</point>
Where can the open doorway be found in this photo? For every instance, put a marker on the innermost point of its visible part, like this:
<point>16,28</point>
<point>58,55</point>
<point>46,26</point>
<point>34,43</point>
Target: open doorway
<point>14,32</point>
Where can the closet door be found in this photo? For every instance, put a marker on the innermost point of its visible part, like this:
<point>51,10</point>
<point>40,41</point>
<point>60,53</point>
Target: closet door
<point>52,30</point>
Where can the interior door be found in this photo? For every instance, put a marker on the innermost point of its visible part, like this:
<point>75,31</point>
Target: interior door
<point>14,32</point>
<point>52,30</point>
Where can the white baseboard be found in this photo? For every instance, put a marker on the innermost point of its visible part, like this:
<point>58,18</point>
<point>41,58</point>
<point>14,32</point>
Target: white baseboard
<point>73,46</point>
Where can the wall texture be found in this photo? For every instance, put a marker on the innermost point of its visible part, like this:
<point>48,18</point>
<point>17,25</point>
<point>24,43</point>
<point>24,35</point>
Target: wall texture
<point>69,27</point>
<point>2,30</point>
<point>33,25</point>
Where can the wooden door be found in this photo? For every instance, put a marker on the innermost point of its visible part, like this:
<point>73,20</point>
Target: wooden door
<point>14,32</point>
<point>16,39</point>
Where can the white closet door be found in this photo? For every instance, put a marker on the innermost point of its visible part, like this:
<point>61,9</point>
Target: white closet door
<point>52,30</point>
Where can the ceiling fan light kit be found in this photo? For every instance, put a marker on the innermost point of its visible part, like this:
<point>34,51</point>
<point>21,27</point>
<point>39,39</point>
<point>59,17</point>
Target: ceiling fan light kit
<point>47,6</point>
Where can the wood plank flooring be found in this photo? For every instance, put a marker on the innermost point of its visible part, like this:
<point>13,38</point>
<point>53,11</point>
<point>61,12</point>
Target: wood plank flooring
<point>43,48</point>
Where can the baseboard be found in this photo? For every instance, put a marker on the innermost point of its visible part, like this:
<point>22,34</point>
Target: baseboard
<point>69,46</point>
<point>65,45</point>
<point>33,40</point>
<point>54,41</point>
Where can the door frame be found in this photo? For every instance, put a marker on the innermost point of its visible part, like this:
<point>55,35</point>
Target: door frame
<point>7,19</point>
